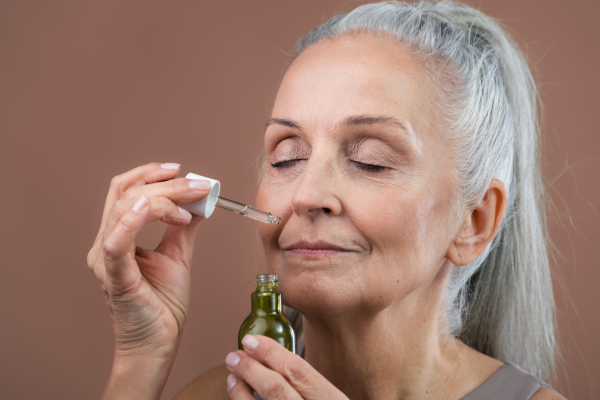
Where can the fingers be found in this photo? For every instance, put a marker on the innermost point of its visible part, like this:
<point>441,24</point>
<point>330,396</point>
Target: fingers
<point>181,190</point>
<point>300,374</point>
<point>145,181</point>
<point>238,389</point>
<point>161,209</point>
<point>148,173</point>
<point>268,383</point>
<point>178,241</point>
<point>119,266</point>
<point>145,174</point>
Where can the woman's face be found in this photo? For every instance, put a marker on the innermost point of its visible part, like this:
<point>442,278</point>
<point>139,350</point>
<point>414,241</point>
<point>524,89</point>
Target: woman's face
<point>361,176</point>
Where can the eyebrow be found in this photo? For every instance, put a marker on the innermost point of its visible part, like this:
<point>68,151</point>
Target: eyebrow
<point>354,120</point>
<point>282,121</point>
<point>371,120</point>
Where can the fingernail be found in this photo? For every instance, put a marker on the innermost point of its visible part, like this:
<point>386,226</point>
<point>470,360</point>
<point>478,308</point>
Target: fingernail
<point>170,166</point>
<point>140,204</point>
<point>250,342</point>
<point>202,185</point>
<point>231,381</point>
<point>185,213</point>
<point>232,360</point>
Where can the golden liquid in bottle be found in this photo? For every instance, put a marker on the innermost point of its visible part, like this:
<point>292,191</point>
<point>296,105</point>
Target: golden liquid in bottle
<point>266,317</point>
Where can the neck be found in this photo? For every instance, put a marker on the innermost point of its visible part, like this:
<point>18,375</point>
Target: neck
<point>402,352</point>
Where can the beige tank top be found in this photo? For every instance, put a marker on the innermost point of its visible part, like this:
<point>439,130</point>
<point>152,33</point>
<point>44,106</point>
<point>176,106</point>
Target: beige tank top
<point>508,383</point>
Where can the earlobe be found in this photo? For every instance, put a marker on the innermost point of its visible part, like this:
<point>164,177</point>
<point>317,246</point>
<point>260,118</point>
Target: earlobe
<point>480,225</point>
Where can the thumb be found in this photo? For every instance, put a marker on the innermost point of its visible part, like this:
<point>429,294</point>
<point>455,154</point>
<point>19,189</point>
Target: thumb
<point>118,243</point>
<point>178,241</point>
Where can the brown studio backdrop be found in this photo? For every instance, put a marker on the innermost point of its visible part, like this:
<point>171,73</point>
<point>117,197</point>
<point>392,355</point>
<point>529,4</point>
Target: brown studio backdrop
<point>91,89</point>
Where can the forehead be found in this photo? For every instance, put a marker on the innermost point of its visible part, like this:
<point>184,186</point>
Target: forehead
<point>359,74</point>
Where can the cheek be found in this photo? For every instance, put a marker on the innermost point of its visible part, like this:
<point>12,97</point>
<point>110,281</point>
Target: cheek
<point>277,203</point>
<point>407,239</point>
<point>274,198</point>
<point>267,231</point>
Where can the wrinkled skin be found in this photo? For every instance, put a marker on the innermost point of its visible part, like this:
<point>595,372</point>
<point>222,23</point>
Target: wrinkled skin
<point>360,171</point>
<point>394,220</point>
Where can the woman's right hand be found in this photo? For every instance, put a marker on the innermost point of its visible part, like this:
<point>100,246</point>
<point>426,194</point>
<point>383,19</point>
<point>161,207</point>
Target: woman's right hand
<point>147,292</point>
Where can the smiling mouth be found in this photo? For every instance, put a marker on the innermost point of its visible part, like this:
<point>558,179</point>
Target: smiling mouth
<point>316,249</point>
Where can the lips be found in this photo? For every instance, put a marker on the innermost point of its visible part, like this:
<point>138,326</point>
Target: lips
<point>317,248</point>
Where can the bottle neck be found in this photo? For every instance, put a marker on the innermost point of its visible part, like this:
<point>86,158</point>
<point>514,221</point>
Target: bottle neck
<point>266,302</point>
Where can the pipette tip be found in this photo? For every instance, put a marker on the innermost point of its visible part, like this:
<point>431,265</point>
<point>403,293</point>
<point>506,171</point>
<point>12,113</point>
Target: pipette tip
<point>247,211</point>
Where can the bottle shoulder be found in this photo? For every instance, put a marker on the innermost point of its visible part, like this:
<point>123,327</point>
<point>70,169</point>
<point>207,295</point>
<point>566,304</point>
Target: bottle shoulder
<point>267,320</point>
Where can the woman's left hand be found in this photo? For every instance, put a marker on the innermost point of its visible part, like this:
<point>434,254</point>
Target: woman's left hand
<point>275,373</point>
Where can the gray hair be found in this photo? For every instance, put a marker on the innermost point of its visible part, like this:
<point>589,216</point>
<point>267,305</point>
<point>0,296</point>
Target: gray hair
<point>501,304</point>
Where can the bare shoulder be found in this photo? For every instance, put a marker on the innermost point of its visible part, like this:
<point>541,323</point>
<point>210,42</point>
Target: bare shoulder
<point>546,393</point>
<point>210,385</point>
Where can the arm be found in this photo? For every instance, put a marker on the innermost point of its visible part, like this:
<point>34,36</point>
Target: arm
<point>137,378</point>
<point>147,292</point>
<point>211,385</point>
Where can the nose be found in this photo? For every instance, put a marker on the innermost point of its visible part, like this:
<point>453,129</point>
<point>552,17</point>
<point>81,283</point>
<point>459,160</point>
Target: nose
<point>315,193</point>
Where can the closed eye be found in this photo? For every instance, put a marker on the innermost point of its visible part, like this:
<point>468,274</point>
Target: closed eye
<point>282,164</point>
<point>369,167</point>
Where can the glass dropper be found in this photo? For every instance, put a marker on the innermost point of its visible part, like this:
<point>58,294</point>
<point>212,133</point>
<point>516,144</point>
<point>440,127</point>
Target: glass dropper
<point>247,211</point>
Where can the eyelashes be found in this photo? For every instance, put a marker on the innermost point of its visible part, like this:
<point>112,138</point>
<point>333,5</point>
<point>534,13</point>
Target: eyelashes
<point>362,166</point>
<point>369,167</point>
<point>283,164</point>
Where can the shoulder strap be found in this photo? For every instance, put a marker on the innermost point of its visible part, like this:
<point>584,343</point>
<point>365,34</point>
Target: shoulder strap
<point>508,383</point>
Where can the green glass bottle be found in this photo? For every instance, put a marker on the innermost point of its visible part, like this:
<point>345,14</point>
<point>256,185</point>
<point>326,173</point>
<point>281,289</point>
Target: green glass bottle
<point>266,317</point>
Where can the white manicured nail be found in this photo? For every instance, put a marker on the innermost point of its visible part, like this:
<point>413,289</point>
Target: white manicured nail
<point>185,213</point>
<point>170,166</point>
<point>232,360</point>
<point>202,185</point>
<point>250,342</point>
<point>140,204</point>
<point>231,381</point>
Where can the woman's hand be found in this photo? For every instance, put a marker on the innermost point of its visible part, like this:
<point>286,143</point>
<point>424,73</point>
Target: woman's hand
<point>275,373</point>
<point>147,292</point>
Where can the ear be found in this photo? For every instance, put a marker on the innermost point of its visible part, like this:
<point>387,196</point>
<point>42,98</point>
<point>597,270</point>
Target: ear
<point>479,226</point>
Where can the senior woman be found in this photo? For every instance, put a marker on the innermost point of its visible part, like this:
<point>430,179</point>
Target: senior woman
<point>402,157</point>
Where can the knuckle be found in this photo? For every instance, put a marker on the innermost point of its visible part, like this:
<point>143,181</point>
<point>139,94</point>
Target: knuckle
<point>120,207</point>
<point>269,353</point>
<point>273,388</point>
<point>127,223</point>
<point>297,371</point>
<point>174,212</point>
<point>243,367</point>
<point>175,185</point>
<point>111,250</point>
<point>130,193</point>
<point>168,209</point>
<point>161,202</point>
<point>161,210</point>
<point>116,181</point>
<point>91,258</point>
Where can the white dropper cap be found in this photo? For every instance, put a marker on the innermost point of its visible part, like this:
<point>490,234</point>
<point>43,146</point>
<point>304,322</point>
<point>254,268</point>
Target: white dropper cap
<point>206,206</point>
